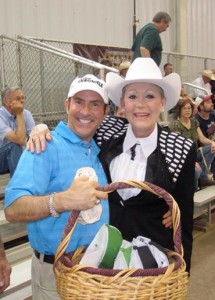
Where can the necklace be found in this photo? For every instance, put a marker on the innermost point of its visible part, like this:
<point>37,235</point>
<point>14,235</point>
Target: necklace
<point>186,124</point>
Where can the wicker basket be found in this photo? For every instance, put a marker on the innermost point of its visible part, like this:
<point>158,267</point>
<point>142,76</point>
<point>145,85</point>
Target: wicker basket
<point>82,282</point>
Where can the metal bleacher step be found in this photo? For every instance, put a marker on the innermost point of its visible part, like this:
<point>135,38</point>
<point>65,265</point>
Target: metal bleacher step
<point>4,179</point>
<point>19,253</point>
<point>13,231</point>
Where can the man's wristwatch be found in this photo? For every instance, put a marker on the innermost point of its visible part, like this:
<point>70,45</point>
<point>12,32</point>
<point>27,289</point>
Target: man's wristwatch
<point>52,208</point>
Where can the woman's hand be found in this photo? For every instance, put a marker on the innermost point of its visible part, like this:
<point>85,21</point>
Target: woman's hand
<point>197,167</point>
<point>167,219</point>
<point>39,135</point>
<point>213,147</point>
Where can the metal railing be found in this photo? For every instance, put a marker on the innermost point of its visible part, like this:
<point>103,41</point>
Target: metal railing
<point>188,66</point>
<point>44,70</point>
<point>44,73</point>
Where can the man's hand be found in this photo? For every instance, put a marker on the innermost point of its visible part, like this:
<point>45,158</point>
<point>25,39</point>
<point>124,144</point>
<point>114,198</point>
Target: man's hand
<point>167,219</point>
<point>17,107</point>
<point>81,195</point>
<point>39,135</point>
<point>5,270</point>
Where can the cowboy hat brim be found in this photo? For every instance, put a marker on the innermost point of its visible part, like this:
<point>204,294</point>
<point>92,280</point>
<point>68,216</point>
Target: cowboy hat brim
<point>171,85</point>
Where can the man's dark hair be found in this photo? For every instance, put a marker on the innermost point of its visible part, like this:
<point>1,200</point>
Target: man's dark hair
<point>166,65</point>
<point>106,62</point>
<point>161,16</point>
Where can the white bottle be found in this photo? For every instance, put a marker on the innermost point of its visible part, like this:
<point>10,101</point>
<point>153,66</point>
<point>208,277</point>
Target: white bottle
<point>93,214</point>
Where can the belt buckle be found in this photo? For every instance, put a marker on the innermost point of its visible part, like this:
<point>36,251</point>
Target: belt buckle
<point>42,257</point>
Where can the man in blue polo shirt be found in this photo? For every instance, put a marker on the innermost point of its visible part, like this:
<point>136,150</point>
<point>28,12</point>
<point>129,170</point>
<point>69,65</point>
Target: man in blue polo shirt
<point>43,190</point>
<point>16,124</point>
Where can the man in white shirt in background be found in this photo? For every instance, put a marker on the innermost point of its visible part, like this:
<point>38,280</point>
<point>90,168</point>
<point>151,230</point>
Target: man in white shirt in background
<point>202,81</point>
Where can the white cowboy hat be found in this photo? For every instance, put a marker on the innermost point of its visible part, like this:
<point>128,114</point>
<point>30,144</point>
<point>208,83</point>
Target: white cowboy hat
<point>209,74</point>
<point>144,69</point>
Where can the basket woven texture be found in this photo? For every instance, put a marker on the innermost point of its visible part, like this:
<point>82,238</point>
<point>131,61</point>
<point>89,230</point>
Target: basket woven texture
<point>83,282</point>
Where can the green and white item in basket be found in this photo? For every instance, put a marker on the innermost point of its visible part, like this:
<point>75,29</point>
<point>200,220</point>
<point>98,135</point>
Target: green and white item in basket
<point>122,260</point>
<point>104,248</point>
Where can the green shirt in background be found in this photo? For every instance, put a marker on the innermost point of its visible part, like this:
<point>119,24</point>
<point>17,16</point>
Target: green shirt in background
<point>191,133</point>
<point>148,37</point>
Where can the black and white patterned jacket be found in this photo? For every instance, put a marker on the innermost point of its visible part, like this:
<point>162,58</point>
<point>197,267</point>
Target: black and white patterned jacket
<point>170,166</point>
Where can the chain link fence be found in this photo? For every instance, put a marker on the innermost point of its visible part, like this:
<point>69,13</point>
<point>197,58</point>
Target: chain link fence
<point>43,73</point>
<point>187,66</point>
<point>44,69</point>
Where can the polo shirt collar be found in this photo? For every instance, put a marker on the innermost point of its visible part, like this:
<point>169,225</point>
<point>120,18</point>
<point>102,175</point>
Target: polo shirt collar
<point>68,134</point>
<point>8,114</point>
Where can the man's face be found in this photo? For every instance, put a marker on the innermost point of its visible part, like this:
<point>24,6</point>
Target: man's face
<point>206,79</point>
<point>86,110</point>
<point>123,72</point>
<point>15,99</point>
<point>168,69</point>
<point>208,106</point>
<point>163,25</point>
<point>143,104</point>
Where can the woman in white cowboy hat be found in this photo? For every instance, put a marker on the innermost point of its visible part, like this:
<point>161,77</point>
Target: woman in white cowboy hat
<point>147,152</point>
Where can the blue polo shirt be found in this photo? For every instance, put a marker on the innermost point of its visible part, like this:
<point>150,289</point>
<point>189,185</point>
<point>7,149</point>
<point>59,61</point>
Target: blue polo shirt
<point>8,123</point>
<point>54,171</point>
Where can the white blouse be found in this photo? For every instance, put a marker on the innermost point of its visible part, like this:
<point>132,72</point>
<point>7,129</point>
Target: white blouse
<point>122,167</point>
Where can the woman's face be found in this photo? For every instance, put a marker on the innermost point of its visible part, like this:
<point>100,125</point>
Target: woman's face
<point>186,111</point>
<point>143,103</point>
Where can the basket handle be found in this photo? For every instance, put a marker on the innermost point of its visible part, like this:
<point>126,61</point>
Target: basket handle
<point>161,193</point>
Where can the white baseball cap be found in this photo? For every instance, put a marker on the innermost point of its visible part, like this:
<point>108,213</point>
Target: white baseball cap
<point>89,82</point>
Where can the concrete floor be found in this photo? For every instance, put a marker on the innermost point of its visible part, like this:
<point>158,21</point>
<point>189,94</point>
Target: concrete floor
<point>202,279</point>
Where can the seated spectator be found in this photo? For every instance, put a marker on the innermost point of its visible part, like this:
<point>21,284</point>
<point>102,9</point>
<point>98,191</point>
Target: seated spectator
<point>123,68</point>
<point>203,82</point>
<point>119,112</point>
<point>168,69</point>
<point>206,118</point>
<point>16,124</point>
<point>189,127</point>
<point>212,82</point>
